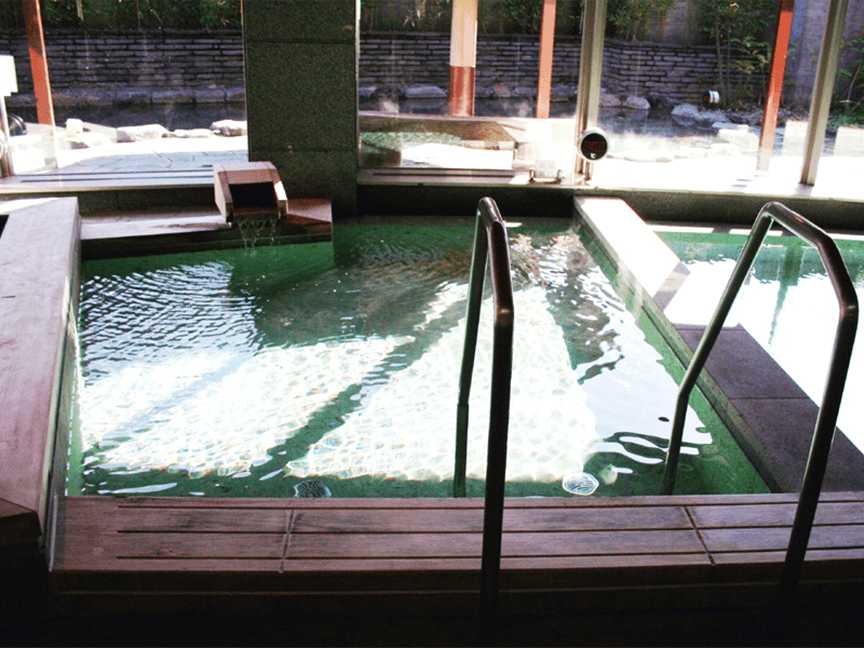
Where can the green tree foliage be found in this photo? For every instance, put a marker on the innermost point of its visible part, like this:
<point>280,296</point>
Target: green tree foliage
<point>739,33</point>
<point>428,15</point>
<point>849,87</point>
<point>129,14</point>
<point>494,16</point>
<point>632,18</point>
<point>522,16</point>
<point>526,16</point>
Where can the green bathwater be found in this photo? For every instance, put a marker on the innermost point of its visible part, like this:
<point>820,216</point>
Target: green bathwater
<point>787,304</point>
<point>332,369</point>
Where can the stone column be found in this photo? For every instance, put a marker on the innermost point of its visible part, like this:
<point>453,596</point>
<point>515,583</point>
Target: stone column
<point>301,58</point>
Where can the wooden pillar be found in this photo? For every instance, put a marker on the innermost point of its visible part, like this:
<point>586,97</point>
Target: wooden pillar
<point>38,62</point>
<point>775,87</point>
<point>463,57</point>
<point>547,46</point>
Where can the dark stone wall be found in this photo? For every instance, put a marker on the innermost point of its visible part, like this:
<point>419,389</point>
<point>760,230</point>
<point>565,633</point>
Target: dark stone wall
<point>95,66</point>
<point>680,72</point>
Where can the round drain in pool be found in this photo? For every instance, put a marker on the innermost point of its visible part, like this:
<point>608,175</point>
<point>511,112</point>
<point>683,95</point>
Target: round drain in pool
<point>580,484</point>
<point>311,488</point>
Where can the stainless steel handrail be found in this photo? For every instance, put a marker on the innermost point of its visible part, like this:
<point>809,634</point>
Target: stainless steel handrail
<point>490,243</point>
<point>826,421</point>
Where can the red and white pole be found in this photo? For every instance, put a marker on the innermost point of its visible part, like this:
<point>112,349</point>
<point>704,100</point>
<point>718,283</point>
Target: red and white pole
<point>38,62</point>
<point>463,57</point>
<point>775,86</point>
<point>547,45</point>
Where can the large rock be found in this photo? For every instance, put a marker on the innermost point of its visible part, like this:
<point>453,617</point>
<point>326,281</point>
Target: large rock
<point>126,98</point>
<point>706,118</point>
<point>87,140</point>
<point>237,95</point>
<point>229,127</point>
<point>562,92</point>
<point>141,133</point>
<point>741,137</point>
<point>662,102</point>
<point>637,103</point>
<point>390,90</point>
<point>21,100</point>
<point>82,98</point>
<point>74,127</point>
<point>192,133</point>
<point>754,118</point>
<point>609,100</point>
<point>685,111</point>
<point>209,95</point>
<point>424,92</point>
<point>173,97</point>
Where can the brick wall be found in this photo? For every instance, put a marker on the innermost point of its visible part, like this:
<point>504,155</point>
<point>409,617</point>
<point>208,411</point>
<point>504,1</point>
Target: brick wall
<point>116,61</point>
<point>125,61</point>
<point>682,72</point>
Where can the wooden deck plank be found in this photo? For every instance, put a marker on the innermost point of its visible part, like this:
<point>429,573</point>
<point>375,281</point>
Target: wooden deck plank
<point>110,547</point>
<point>515,520</point>
<point>449,504</point>
<point>767,515</point>
<point>429,545</point>
<point>189,520</point>
<point>753,539</point>
<point>819,565</point>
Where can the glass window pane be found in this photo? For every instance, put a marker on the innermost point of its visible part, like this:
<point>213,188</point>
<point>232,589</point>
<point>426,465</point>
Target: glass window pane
<point>116,67</point>
<point>682,92</point>
<point>842,156</point>
<point>405,69</point>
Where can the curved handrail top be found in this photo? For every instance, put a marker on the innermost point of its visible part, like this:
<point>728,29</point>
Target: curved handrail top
<point>828,251</point>
<point>499,261</point>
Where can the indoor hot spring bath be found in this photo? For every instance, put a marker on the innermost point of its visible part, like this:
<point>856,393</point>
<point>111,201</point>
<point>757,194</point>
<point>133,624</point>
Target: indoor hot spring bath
<point>331,370</point>
<point>241,544</point>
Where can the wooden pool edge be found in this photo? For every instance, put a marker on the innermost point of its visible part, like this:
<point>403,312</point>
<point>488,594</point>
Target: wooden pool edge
<point>253,561</point>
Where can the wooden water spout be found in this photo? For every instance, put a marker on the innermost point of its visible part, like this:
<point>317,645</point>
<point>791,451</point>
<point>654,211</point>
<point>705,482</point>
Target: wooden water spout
<point>249,191</point>
<point>250,195</point>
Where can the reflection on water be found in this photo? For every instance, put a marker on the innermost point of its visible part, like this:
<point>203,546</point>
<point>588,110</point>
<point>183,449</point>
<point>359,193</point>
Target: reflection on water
<point>290,371</point>
<point>788,305</point>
